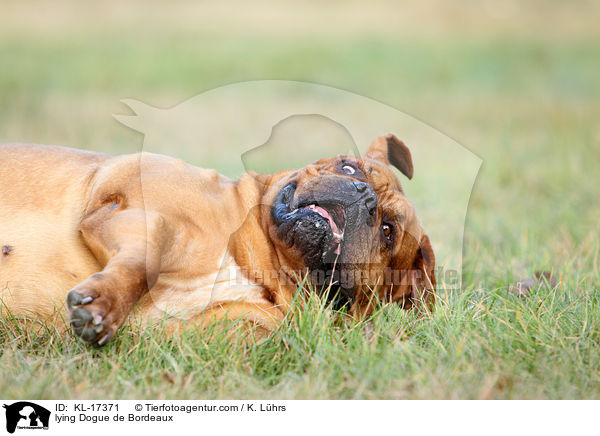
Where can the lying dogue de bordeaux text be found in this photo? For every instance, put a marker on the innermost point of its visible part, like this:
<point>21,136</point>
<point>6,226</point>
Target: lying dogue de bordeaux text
<point>96,239</point>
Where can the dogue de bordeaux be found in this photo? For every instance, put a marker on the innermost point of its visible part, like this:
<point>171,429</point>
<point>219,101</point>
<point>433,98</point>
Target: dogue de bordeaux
<point>93,240</point>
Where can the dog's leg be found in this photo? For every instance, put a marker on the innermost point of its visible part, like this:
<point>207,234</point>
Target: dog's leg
<point>128,244</point>
<point>251,320</point>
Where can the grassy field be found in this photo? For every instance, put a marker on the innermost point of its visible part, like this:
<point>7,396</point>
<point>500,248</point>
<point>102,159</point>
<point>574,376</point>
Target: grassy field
<point>517,85</point>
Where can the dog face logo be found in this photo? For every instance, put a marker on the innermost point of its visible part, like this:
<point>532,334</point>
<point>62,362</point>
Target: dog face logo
<point>26,415</point>
<point>347,220</point>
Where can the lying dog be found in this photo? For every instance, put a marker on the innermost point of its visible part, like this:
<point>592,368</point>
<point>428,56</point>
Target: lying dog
<point>150,236</point>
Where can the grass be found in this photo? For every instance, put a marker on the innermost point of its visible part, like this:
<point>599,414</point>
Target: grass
<point>477,344</point>
<point>524,99</point>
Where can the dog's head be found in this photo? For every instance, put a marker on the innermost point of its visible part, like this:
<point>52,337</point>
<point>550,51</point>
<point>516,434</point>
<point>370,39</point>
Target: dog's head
<point>347,222</point>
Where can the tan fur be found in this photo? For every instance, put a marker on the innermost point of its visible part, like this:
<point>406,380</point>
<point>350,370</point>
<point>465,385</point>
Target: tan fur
<point>151,236</point>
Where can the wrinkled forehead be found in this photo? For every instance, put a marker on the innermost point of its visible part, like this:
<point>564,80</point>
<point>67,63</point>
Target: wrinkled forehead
<point>379,176</point>
<point>392,201</point>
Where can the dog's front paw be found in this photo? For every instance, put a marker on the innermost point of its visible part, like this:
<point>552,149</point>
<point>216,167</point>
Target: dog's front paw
<point>91,316</point>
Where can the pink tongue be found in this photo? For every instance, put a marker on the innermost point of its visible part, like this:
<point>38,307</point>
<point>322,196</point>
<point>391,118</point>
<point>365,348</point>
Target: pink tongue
<point>326,215</point>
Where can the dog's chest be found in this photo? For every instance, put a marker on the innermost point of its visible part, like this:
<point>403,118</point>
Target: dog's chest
<point>172,297</point>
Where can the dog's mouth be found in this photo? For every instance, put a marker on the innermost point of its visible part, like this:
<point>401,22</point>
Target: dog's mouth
<point>335,216</point>
<point>326,223</point>
<point>314,225</point>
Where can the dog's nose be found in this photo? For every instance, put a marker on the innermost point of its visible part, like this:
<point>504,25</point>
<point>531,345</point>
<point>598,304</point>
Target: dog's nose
<point>371,204</point>
<point>368,196</point>
<point>361,186</point>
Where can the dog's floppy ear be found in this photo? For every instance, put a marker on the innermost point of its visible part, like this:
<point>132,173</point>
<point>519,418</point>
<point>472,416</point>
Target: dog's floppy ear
<point>390,150</point>
<point>423,282</point>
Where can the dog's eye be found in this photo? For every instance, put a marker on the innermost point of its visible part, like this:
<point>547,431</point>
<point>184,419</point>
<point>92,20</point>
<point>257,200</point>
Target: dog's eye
<point>349,169</point>
<point>387,231</point>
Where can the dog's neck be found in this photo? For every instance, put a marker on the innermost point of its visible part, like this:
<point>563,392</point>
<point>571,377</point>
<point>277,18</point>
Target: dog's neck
<point>262,261</point>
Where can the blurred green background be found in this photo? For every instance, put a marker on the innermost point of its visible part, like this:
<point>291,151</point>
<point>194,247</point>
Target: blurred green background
<point>515,82</point>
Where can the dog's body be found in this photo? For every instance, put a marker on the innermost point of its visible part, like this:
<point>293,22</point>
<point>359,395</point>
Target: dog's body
<point>151,236</point>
